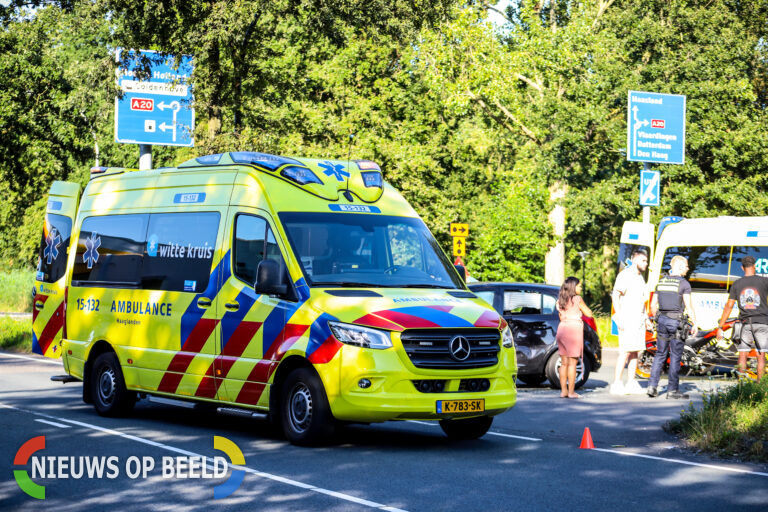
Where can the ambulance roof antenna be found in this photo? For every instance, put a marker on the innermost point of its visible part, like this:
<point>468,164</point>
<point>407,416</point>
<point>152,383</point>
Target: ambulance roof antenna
<point>347,193</point>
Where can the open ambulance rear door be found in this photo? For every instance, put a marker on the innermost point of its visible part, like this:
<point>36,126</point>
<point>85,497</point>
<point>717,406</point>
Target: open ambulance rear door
<point>48,313</point>
<point>634,235</point>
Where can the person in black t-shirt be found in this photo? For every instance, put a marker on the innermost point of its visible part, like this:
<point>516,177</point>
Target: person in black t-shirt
<point>672,298</point>
<point>751,292</point>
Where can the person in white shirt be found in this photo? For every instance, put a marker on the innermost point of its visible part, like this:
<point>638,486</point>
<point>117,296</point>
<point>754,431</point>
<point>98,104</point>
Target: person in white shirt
<point>629,297</point>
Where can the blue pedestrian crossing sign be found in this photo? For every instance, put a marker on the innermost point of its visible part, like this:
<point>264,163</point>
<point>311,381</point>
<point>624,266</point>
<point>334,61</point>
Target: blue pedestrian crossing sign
<point>650,188</point>
<point>656,128</point>
<point>157,110</point>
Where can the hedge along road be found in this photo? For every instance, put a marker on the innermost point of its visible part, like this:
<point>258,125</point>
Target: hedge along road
<point>530,460</point>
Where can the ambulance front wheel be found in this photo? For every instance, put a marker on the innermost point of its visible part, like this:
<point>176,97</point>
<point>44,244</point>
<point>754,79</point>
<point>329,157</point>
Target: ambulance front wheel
<point>304,410</point>
<point>110,397</point>
<point>466,429</point>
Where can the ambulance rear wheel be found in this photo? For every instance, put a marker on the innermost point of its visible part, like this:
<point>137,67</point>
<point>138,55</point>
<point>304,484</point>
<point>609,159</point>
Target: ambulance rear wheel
<point>110,397</point>
<point>304,410</point>
<point>466,429</point>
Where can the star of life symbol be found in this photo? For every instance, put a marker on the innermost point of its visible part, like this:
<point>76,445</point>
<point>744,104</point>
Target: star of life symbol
<point>152,246</point>
<point>91,256</point>
<point>52,243</point>
<point>335,170</point>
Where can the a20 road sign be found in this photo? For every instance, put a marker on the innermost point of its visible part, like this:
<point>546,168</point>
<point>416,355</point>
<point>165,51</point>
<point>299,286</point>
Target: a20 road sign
<point>656,128</point>
<point>157,110</point>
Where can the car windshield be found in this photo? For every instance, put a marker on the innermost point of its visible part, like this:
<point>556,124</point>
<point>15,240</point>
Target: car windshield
<point>363,250</point>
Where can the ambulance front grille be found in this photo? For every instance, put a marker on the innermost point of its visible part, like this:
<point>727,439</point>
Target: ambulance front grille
<point>430,348</point>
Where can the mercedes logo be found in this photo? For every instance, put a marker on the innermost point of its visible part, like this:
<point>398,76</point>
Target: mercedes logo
<point>459,347</point>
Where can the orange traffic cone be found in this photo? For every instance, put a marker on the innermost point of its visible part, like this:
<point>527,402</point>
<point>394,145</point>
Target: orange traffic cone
<point>586,440</point>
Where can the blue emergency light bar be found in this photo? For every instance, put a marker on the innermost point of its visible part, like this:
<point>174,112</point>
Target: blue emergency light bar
<point>666,221</point>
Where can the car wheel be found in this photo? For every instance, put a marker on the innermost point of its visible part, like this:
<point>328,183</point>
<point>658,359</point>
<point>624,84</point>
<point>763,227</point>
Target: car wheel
<point>110,397</point>
<point>305,413</point>
<point>466,429</point>
<point>532,380</point>
<point>552,371</point>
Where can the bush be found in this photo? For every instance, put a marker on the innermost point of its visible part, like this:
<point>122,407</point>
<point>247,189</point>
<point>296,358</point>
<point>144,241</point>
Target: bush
<point>16,290</point>
<point>731,422</point>
<point>16,334</point>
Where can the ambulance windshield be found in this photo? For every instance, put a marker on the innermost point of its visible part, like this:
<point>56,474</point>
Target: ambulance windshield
<point>363,250</point>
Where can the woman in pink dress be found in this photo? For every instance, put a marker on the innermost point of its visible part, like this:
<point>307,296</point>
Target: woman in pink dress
<point>570,334</point>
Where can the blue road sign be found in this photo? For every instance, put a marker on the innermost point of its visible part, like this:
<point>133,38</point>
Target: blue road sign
<point>650,188</point>
<point>656,128</point>
<point>157,110</point>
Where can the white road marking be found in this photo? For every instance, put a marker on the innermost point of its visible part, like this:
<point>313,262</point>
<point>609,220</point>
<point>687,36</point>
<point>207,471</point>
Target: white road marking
<point>209,460</point>
<point>630,454</point>
<point>514,437</point>
<point>434,424</point>
<point>680,461</point>
<point>36,359</point>
<point>60,425</point>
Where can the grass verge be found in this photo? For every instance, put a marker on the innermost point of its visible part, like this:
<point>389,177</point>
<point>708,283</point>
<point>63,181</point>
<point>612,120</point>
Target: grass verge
<point>731,423</point>
<point>16,334</point>
<point>16,290</point>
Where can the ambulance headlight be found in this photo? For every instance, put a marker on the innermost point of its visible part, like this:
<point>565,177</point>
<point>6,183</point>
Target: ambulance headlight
<point>507,340</point>
<point>360,336</point>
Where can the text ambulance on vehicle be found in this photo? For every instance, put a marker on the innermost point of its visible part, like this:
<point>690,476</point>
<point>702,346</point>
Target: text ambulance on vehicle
<point>714,248</point>
<point>309,289</point>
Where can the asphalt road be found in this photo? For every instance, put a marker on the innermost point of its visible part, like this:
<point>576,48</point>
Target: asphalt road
<point>529,461</point>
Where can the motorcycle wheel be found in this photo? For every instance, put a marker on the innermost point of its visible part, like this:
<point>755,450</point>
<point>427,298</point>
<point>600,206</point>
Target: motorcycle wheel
<point>644,364</point>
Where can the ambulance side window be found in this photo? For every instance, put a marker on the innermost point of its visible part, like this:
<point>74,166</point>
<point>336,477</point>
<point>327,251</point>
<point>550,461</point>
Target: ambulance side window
<point>250,233</point>
<point>708,265</point>
<point>760,253</point>
<point>52,258</point>
<point>109,251</point>
<point>179,251</point>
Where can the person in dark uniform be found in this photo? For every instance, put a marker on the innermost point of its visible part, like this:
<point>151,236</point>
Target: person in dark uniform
<point>752,293</point>
<point>671,300</point>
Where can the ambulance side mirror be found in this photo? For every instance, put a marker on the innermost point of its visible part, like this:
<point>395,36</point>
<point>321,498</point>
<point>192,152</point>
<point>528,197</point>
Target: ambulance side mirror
<point>462,272</point>
<point>269,279</point>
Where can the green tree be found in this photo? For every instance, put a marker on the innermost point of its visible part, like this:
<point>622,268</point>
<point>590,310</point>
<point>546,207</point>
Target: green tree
<point>557,80</point>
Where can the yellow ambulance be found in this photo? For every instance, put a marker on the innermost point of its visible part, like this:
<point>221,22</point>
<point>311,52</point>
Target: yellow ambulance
<point>308,289</point>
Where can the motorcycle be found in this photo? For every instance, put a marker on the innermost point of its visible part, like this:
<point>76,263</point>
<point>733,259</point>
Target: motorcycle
<point>703,354</point>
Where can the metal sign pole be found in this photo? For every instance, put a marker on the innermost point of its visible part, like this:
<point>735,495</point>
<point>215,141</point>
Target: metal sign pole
<point>646,209</point>
<point>145,157</point>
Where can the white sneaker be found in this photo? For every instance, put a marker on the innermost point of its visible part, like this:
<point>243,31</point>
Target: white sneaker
<point>617,388</point>
<point>633,388</point>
